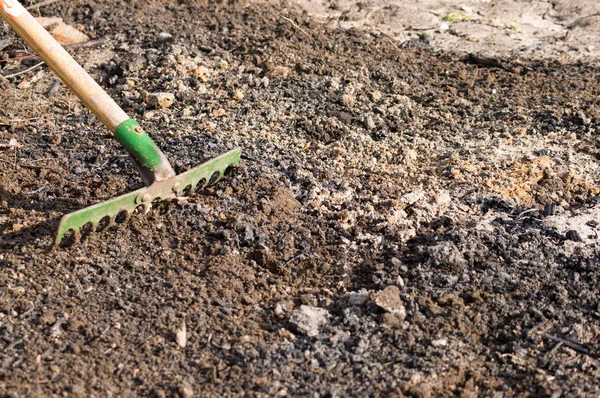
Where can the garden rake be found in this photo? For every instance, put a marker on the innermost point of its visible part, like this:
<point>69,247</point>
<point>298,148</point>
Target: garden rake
<point>150,162</point>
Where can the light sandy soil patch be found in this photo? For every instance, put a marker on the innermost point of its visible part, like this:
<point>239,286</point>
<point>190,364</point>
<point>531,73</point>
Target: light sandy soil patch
<point>557,29</point>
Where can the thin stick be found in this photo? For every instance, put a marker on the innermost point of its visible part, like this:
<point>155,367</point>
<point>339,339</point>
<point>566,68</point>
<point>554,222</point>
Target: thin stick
<point>25,71</point>
<point>18,58</point>
<point>298,27</point>
<point>574,346</point>
<point>12,121</point>
<point>89,43</point>
<point>41,4</point>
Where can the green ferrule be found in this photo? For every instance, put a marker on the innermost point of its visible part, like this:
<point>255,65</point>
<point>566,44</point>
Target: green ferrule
<point>138,143</point>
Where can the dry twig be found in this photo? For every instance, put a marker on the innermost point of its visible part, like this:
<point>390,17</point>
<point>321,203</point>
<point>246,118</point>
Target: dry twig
<point>298,27</point>
<point>24,71</point>
<point>574,346</point>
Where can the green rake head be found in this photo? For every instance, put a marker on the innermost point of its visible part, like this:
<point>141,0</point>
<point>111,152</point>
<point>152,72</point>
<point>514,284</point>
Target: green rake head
<point>106,212</point>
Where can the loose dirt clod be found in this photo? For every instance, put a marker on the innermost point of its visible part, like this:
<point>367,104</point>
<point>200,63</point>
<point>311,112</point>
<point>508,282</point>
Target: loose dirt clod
<point>308,320</point>
<point>389,300</point>
<point>161,100</point>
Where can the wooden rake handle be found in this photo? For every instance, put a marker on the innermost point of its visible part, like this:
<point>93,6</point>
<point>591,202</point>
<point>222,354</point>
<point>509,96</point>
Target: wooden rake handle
<point>149,160</point>
<point>61,63</point>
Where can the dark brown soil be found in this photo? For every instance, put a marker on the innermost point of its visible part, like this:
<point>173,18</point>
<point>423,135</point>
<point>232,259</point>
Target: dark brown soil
<point>365,166</point>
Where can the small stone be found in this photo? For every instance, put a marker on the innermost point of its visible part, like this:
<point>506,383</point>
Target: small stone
<point>161,100</point>
<point>325,302</point>
<point>440,342</point>
<point>223,65</point>
<point>443,198</point>
<point>78,390</point>
<point>376,95</point>
<point>218,112</point>
<point>279,312</point>
<point>186,390</point>
<point>202,73</point>
<point>334,84</point>
<point>201,89</point>
<point>412,197</point>
<point>187,111</point>
<point>308,320</point>
<point>370,123</point>
<point>245,339</point>
<point>358,298</point>
<point>165,36</point>
<point>238,95</point>
<point>282,71</point>
<point>307,299</point>
<point>348,100</point>
<point>17,227</point>
<point>264,82</point>
<point>389,300</point>
<point>504,275</point>
<point>181,336</point>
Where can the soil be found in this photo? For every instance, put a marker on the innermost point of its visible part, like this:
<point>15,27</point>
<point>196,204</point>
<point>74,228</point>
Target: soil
<point>406,221</point>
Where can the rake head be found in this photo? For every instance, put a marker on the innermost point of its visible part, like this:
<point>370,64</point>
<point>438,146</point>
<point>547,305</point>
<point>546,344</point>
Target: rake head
<point>106,212</point>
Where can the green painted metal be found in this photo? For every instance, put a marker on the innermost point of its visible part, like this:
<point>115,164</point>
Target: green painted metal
<point>138,143</point>
<point>162,190</point>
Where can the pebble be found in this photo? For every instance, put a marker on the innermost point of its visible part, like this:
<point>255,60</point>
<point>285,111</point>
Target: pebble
<point>238,95</point>
<point>334,84</point>
<point>443,198</point>
<point>78,390</point>
<point>202,89</point>
<point>223,65</point>
<point>186,390</point>
<point>181,336</point>
<point>282,71</point>
<point>370,123</point>
<point>358,298</point>
<point>165,36</point>
<point>348,100</point>
<point>308,299</point>
<point>309,320</point>
<point>218,112</point>
<point>376,95</point>
<point>412,197</point>
<point>279,312</point>
<point>389,300</point>
<point>161,100</point>
<point>202,73</point>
